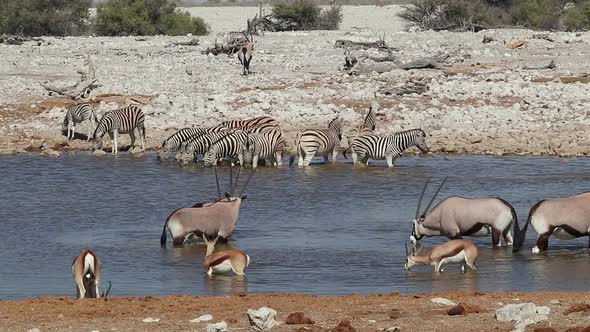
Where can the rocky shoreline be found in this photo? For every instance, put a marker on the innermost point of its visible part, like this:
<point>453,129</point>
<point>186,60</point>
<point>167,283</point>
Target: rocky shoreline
<point>487,98</point>
<point>470,311</point>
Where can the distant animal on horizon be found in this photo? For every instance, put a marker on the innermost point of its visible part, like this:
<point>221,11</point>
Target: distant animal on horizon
<point>225,261</point>
<point>86,271</point>
<point>120,121</point>
<point>454,251</point>
<point>78,114</point>
<point>455,217</point>
<point>565,218</point>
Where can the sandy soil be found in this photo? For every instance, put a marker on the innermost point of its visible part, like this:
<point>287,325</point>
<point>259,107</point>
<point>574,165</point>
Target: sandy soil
<point>365,313</point>
<point>488,98</point>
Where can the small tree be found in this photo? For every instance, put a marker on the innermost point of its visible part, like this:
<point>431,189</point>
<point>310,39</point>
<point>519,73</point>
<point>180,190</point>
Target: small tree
<point>578,18</point>
<point>48,17</point>
<point>146,17</point>
<point>306,15</point>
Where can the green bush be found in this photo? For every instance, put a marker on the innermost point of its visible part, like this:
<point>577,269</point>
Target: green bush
<point>538,14</point>
<point>578,18</point>
<point>146,17</point>
<point>306,15</point>
<point>44,17</point>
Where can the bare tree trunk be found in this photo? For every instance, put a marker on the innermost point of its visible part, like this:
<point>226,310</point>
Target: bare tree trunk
<point>80,90</point>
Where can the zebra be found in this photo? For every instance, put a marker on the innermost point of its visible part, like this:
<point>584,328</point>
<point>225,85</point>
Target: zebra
<point>230,145</point>
<point>261,121</point>
<point>78,114</point>
<point>310,142</point>
<point>368,126</point>
<point>174,142</point>
<point>120,121</point>
<point>388,147</point>
<point>268,144</point>
<point>199,145</point>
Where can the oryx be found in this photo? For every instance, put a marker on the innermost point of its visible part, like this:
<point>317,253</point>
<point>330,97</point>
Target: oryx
<point>565,218</point>
<point>216,218</point>
<point>456,217</point>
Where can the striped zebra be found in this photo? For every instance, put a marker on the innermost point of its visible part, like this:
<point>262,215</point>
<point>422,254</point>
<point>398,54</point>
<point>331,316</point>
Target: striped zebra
<point>199,145</point>
<point>368,125</point>
<point>229,146</point>
<point>120,121</point>
<point>268,144</point>
<point>174,142</point>
<point>310,142</point>
<point>78,114</point>
<point>261,122</point>
<point>388,147</point>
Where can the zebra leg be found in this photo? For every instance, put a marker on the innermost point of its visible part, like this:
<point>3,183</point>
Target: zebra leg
<point>132,135</point>
<point>142,135</point>
<point>300,159</point>
<point>115,143</point>
<point>241,159</point>
<point>390,160</point>
<point>334,155</point>
<point>254,161</point>
<point>279,158</point>
<point>325,158</point>
<point>308,158</point>
<point>90,130</point>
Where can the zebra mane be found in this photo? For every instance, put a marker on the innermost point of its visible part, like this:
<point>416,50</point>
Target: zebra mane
<point>410,131</point>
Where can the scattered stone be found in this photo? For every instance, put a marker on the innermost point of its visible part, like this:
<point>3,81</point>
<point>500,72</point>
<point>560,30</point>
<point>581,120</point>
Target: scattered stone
<point>99,153</point>
<point>371,321</point>
<point>202,318</point>
<point>262,319</point>
<point>395,314</point>
<point>392,329</point>
<point>344,326</point>
<point>151,320</point>
<point>440,300</point>
<point>578,329</point>
<point>136,151</point>
<point>298,318</point>
<point>578,307</point>
<point>60,146</point>
<point>544,329</point>
<point>217,327</point>
<point>34,330</point>
<point>523,313</point>
<point>50,153</point>
<point>554,302</point>
<point>7,152</point>
<point>456,310</point>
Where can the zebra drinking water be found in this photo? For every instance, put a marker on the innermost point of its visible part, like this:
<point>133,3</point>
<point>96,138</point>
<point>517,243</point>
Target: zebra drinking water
<point>78,114</point>
<point>229,146</point>
<point>174,142</point>
<point>120,121</point>
<point>268,144</point>
<point>310,142</point>
<point>388,147</point>
<point>199,145</point>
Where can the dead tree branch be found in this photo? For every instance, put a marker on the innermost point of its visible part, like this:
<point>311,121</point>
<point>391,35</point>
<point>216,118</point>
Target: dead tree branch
<point>409,87</point>
<point>80,90</point>
<point>353,45</point>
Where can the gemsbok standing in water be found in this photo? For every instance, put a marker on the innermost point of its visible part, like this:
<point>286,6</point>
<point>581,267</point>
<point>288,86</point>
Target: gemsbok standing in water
<point>245,54</point>
<point>121,121</point>
<point>86,271</point>
<point>565,218</point>
<point>310,142</point>
<point>456,217</point>
<point>225,261</point>
<point>454,251</point>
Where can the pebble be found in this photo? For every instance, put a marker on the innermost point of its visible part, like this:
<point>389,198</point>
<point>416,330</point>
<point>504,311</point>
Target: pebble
<point>202,318</point>
<point>151,320</point>
<point>440,300</point>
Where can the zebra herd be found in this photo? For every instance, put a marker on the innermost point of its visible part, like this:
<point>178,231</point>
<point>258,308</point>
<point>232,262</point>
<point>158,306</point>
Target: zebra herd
<point>250,141</point>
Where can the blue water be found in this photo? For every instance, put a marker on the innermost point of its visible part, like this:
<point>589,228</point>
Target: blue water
<point>322,230</point>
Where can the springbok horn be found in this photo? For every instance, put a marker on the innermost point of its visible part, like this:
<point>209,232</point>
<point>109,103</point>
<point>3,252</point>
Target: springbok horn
<point>420,199</point>
<point>236,182</point>
<point>435,194</point>
<point>106,292</point>
<point>247,181</point>
<point>217,182</point>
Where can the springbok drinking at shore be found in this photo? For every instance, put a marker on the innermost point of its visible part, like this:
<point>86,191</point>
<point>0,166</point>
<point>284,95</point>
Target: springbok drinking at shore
<point>565,218</point>
<point>86,271</point>
<point>454,251</point>
<point>456,217</point>
<point>225,261</point>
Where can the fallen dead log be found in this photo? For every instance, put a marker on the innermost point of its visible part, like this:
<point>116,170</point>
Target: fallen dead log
<point>409,87</point>
<point>550,65</point>
<point>18,40</point>
<point>544,36</point>
<point>192,42</point>
<point>353,45</point>
<point>80,90</point>
<point>424,63</point>
<point>435,62</point>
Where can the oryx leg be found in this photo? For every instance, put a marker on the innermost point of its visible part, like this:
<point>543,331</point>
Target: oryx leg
<point>507,236</point>
<point>496,238</point>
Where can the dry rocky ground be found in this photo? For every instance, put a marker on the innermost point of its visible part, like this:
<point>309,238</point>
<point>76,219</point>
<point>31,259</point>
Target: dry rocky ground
<point>487,98</point>
<point>568,312</point>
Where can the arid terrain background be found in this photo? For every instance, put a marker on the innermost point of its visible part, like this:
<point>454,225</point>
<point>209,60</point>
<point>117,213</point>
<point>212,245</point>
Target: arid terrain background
<point>486,98</point>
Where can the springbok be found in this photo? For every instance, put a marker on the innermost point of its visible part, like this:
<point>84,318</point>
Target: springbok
<point>566,218</point>
<point>216,218</point>
<point>86,271</point>
<point>454,251</point>
<point>456,217</point>
<point>222,262</point>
